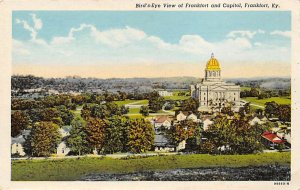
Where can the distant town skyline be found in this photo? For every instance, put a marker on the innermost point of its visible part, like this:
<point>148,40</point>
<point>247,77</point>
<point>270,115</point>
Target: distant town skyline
<point>125,44</point>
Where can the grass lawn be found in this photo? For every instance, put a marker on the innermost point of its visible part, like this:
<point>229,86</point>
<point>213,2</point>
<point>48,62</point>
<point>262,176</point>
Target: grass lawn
<point>141,102</point>
<point>123,102</point>
<point>278,100</point>
<point>136,116</point>
<point>134,110</point>
<point>245,88</point>
<point>72,168</point>
<point>176,97</point>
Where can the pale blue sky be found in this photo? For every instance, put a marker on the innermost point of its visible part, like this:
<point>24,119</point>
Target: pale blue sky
<point>103,38</point>
<point>169,26</point>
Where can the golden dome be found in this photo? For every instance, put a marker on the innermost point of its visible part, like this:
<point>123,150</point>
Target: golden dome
<point>213,64</point>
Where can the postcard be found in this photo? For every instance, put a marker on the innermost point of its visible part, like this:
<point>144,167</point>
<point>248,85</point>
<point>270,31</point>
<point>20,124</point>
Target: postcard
<point>149,94</point>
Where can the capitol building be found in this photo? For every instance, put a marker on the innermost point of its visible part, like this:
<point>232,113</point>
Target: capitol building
<point>212,92</point>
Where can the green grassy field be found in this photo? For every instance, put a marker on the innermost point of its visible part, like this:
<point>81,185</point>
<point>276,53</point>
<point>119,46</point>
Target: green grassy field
<point>72,168</point>
<point>245,88</point>
<point>136,116</point>
<point>141,102</point>
<point>134,110</point>
<point>278,100</point>
<point>123,102</point>
<point>176,97</point>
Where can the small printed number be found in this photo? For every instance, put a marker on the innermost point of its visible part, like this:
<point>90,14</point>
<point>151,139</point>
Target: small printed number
<point>281,183</point>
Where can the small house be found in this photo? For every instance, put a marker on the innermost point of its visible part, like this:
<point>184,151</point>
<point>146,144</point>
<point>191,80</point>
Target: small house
<point>181,116</point>
<point>17,143</point>
<point>62,149</point>
<point>163,120</point>
<point>161,144</point>
<point>271,140</point>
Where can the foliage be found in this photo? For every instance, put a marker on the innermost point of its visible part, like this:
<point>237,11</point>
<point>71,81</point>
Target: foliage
<point>43,139</point>
<point>140,136</point>
<point>116,134</point>
<point>253,92</point>
<point>245,109</point>
<point>284,113</point>
<point>177,133</point>
<point>77,141</point>
<point>124,110</point>
<point>235,136</point>
<point>95,130</point>
<point>194,133</point>
<point>101,111</point>
<point>155,102</point>
<point>208,147</point>
<point>227,110</point>
<point>271,109</point>
<point>190,104</point>
<point>144,110</point>
<point>19,122</point>
<point>65,114</point>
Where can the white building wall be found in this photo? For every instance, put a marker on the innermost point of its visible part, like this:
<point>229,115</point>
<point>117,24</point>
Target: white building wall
<point>17,148</point>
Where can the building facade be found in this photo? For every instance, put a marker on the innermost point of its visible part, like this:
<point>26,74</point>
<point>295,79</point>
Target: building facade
<point>212,92</point>
<point>165,93</point>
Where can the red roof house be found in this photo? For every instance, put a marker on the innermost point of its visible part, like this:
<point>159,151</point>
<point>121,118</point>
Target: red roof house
<point>272,137</point>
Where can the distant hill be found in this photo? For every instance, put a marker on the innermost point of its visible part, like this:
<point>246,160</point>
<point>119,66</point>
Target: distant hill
<point>76,83</point>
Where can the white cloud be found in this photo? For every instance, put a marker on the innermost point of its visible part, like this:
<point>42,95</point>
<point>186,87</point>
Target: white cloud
<point>244,33</point>
<point>19,48</point>
<point>38,24</point>
<point>89,44</point>
<point>26,26</point>
<point>281,33</point>
<point>194,44</point>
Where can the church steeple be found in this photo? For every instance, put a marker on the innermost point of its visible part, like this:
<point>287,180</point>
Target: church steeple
<point>213,70</point>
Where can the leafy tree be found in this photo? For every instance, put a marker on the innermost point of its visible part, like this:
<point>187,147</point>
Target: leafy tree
<point>77,141</point>
<point>236,135</point>
<point>48,114</point>
<point>227,110</point>
<point>144,110</point>
<point>113,109</point>
<point>156,103</point>
<point>124,110</point>
<point>43,139</point>
<point>194,131</point>
<point>95,129</point>
<point>284,113</point>
<point>259,111</point>
<point>140,136</point>
<point>190,104</point>
<point>247,108</point>
<point>177,133</point>
<point>86,111</point>
<point>254,92</point>
<point>115,134</point>
<point>208,147</point>
<point>19,122</point>
<point>271,109</point>
<point>34,115</point>
<point>65,114</point>
<point>101,111</point>
<point>122,95</point>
